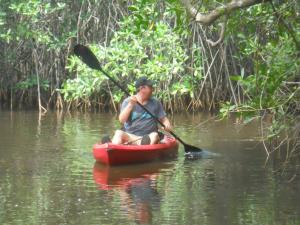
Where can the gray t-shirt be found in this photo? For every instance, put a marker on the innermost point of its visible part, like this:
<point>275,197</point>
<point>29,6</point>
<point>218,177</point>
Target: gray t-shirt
<point>140,122</point>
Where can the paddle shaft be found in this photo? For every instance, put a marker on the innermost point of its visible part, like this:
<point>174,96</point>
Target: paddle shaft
<point>143,107</point>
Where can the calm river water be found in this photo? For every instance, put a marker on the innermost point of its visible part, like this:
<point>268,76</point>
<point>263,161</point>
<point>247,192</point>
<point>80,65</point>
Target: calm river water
<point>48,176</point>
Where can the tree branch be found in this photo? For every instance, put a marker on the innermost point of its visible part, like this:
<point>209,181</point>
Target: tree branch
<point>221,36</point>
<point>212,16</point>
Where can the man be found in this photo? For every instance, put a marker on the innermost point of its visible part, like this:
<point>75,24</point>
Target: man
<point>139,127</point>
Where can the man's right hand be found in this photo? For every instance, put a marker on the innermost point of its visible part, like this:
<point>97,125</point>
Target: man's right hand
<point>133,100</point>
<point>125,114</point>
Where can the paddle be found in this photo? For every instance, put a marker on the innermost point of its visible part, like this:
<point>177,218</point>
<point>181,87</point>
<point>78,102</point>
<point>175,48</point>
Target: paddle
<point>87,56</point>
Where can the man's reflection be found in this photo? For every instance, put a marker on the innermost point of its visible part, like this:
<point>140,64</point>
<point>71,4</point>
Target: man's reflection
<point>136,185</point>
<point>139,197</point>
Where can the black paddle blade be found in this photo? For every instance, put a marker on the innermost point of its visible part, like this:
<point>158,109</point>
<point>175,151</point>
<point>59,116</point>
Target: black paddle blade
<point>200,155</point>
<point>87,56</point>
<point>192,152</point>
<point>190,148</point>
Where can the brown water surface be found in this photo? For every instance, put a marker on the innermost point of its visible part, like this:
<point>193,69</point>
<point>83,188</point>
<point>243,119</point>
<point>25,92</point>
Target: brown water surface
<point>48,176</point>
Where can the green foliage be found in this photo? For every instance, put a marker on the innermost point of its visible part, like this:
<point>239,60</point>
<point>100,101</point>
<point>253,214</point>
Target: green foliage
<point>274,63</point>
<point>141,47</point>
<point>31,82</point>
<point>34,22</point>
<point>84,85</point>
<point>274,56</point>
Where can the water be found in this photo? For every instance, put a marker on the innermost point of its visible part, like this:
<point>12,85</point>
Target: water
<point>48,176</point>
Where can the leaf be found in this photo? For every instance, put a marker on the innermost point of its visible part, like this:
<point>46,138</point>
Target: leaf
<point>133,8</point>
<point>236,78</point>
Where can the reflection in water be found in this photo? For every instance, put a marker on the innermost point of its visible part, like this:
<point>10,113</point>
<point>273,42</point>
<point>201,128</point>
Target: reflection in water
<point>48,176</point>
<point>137,198</point>
<point>136,185</point>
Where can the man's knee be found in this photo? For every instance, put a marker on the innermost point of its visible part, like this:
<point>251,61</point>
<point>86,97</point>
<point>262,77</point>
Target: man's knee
<point>154,137</point>
<point>118,137</point>
<point>119,133</point>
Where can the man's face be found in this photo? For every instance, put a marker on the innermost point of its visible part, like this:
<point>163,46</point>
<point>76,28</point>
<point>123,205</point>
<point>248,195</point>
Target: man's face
<point>146,91</point>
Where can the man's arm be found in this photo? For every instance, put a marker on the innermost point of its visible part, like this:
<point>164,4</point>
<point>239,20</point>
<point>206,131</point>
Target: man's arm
<point>125,113</point>
<point>166,122</point>
<point>163,117</point>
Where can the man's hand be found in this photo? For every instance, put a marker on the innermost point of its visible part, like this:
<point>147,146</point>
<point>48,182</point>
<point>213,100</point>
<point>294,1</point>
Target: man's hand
<point>124,115</point>
<point>133,100</point>
<point>167,125</point>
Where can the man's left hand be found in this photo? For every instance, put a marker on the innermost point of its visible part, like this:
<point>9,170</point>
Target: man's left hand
<point>167,126</point>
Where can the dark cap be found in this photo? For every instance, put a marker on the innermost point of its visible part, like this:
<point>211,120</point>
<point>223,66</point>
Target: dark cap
<point>143,81</point>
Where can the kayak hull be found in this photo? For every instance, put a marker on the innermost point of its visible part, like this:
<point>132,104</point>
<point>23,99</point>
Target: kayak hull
<point>112,154</point>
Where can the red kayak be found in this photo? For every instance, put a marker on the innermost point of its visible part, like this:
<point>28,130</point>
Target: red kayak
<point>112,154</point>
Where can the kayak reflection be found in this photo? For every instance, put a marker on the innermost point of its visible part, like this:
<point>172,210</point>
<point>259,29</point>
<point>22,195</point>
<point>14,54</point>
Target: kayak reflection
<point>108,177</point>
<point>136,185</point>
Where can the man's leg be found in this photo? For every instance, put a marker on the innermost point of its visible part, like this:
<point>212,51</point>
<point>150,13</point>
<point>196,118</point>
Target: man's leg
<point>119,137</point>
<point>154,138</point>
<point>134,139</point>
